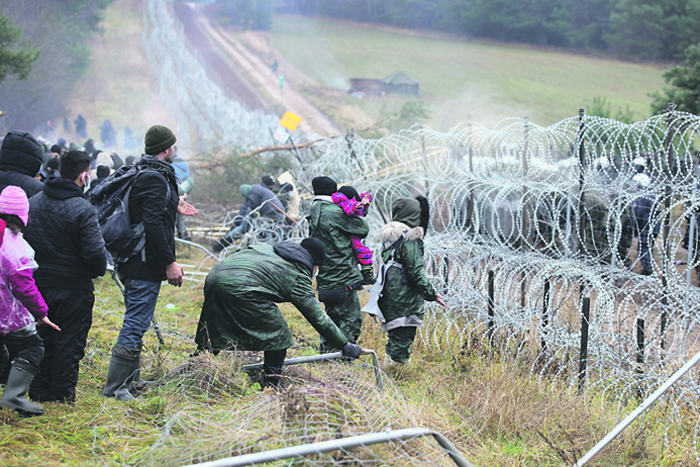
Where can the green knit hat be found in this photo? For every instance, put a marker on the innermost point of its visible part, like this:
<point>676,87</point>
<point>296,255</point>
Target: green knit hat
<point>158,138</point>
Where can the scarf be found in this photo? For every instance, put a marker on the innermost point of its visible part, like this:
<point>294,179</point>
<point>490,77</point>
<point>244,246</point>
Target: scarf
<point>166,169</point>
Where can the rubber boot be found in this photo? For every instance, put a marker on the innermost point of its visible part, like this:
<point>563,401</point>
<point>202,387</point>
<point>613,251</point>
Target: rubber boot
<point>123,368</point>
<point>21,375</point>
<point>391,365</point>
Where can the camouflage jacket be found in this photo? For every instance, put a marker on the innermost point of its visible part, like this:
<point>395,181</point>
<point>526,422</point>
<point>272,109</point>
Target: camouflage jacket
<point>405,289</point>
<point>329,223</point>
<point>240,294</point>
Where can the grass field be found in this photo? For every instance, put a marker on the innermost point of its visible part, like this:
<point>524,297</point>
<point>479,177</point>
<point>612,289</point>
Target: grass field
<point>461,80</point>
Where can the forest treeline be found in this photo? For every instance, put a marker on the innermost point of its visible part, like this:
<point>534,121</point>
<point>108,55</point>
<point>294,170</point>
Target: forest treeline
<point>629,29</point>
<point>60,30</point>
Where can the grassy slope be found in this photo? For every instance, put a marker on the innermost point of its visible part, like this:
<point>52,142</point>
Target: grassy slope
<point>465,79</point>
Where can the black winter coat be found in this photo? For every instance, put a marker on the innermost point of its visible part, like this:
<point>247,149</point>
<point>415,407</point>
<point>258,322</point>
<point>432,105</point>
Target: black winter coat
<point>66,238</point>
<point>20,160</point>
<point>147,202</point>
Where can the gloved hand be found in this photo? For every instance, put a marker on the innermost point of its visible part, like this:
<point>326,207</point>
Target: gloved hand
<point>351,350</point>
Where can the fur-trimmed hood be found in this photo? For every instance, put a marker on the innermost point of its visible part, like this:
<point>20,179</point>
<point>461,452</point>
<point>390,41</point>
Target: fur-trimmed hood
<point>393,230</point>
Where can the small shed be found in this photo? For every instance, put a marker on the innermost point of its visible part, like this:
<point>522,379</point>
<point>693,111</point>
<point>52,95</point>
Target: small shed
<point>368,86</point>
<point>400,83</point>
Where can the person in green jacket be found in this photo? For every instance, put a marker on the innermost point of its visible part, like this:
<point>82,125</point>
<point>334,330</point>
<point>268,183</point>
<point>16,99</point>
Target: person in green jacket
<point>406,286</point>
<point>240,293</point>
<point>339,278</point>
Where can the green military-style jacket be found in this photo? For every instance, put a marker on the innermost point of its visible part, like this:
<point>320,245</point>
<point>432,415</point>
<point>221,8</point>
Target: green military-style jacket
<point>329,224</point>
<point>405,289</point>
<point>240,292</point>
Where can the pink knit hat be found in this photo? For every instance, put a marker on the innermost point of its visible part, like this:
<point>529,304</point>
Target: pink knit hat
<point>13,200</point>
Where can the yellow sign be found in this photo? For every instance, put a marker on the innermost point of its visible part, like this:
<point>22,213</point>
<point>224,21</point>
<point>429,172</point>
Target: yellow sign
<point>290,121</point>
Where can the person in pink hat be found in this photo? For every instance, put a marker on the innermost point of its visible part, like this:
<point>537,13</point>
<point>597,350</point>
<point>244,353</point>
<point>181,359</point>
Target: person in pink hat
<point>21,304</point>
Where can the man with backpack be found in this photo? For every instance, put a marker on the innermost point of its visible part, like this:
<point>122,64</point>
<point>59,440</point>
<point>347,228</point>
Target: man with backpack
<point>70,252</point>
<point>153,200</point>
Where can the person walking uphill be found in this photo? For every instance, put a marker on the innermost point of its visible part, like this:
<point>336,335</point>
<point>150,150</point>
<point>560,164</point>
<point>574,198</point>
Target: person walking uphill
<point>153,200</point>
<point>21,304</point>
<point>406,285</point>
<point>240,293</point>
<point>339,278</point>
<point>71,253</point>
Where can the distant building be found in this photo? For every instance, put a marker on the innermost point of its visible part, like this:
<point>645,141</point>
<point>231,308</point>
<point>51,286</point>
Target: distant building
<point>396,83</point>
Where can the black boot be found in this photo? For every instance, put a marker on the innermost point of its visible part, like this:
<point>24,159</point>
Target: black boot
<point>21,375</point>
<point>368,275</point>
<point>123,369</point>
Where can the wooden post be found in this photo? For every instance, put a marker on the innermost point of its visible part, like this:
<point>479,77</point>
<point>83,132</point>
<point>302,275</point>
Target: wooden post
<point>491,305</point>
<point>583,355</point>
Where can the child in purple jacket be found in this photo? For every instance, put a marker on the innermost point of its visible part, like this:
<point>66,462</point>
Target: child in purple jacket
<point>21,304</point>
<point>356,205</point>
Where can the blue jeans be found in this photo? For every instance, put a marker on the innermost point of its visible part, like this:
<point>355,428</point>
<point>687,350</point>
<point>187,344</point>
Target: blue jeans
<point>140,298</point>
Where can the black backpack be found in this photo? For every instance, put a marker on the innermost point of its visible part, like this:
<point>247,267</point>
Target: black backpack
<point>111,200</point>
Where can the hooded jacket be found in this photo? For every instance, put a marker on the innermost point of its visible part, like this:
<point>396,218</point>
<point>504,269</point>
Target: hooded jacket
<point>21,157</point>
<point>255,196</point>
<point>405,289</point>
<point>329,224</point>
<point>240,294</point>
<point>66,237</point>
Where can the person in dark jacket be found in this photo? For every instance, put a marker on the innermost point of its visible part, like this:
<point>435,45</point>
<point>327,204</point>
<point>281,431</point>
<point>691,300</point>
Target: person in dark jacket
<point>70,252</point>
<point>256,196</point>
<point>153,200</point>
<point>646,221</point>
<point>240,296</point>
<point>21,157</point>
<point>406,286</point>
<point>339,278</point>
<point>80,126</point>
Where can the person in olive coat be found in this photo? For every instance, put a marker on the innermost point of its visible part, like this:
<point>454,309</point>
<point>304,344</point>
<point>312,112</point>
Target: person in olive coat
<point>240,296</point>
<point>406,286</point>
<point>339,278</point>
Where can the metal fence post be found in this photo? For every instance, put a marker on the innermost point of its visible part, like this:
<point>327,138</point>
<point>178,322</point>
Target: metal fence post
<point>583,356</point>
<point>545,314</point>
<point>640,352</point>
<point>490,307</point>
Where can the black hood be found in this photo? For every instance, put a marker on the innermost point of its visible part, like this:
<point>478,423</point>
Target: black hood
<point>294,252</point>
<point>21,153</point>
<point>62,189</point>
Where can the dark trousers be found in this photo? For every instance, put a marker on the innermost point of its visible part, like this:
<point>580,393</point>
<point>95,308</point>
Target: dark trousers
<point>71,310</point>
<point>398,345</point>
<point>23,343</point>
<point>347,315</point>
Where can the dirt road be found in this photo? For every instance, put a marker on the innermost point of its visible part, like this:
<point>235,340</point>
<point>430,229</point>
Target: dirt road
<point>258,72</point>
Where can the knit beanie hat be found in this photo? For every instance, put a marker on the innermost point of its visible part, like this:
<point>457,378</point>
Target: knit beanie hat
<point>324,186</point>
<point>245,190</point>
<point>316,249</point>
<point>268,180</point>
<point>349,192</point>
<point>158,138</point>
<point>13,200</point>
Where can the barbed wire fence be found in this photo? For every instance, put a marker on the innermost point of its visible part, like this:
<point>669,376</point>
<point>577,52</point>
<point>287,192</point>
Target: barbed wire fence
<point>532,227</point>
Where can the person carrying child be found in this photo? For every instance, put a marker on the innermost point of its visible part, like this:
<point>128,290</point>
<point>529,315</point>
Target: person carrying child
<point>355,204</point>
<point>21,304</point>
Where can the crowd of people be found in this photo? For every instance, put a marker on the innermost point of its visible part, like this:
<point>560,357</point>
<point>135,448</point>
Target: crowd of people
<point>52,248</point>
